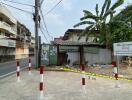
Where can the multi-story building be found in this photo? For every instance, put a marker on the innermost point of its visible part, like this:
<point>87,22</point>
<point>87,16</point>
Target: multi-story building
<point>8,33</point>
<point>32,46</point>
<point>23,41</point>
<point>15,38</point>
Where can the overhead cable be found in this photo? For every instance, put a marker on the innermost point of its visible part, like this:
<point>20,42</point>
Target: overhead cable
<point>19,3</point>
<point>41,2</point>
<point>53,8</point>
<point>45,25</point>
<point>17,8</point>
<point>44,34</point>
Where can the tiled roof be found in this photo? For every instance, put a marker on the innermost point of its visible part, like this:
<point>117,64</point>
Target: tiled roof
<point>58,40</point>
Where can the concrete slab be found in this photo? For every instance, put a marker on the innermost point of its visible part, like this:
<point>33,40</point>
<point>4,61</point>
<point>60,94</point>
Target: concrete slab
<point>62,86</point>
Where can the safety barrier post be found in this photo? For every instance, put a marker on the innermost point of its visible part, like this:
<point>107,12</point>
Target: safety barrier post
<point>41,85</point>
<point>115,74</point>
<point>18,71</point>
<point>29,67</point>
<point>83,78</point>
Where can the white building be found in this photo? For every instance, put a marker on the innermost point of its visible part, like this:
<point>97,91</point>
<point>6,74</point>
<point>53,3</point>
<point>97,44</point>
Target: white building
<point>8,32</point>
<point>15,38</point>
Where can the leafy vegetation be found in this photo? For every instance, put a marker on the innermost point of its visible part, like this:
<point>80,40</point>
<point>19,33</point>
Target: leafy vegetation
<point>121,26</point>
<point>102,21</point>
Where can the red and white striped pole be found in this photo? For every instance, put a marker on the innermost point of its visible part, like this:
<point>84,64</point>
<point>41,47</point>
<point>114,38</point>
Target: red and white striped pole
<point>18,71</point>
<point>83,78</point>
<point>29,67</point>
<point>115,73</point>
<point>41,85</point>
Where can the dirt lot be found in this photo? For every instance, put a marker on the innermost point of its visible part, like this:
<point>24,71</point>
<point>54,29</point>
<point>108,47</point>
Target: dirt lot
<point>123,71</point>
<point>63,86</point>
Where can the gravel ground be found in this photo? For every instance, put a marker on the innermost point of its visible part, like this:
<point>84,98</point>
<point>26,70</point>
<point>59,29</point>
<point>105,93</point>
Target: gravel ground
<point>125,72</point>
<point>63,86</point>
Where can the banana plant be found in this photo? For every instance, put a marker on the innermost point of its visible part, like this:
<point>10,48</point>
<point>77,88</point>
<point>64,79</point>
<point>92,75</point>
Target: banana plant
<point>99,21</point>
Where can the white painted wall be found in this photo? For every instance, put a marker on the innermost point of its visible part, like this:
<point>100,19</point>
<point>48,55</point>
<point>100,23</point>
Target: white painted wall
<point>6,12</point>
<point>10,18</point>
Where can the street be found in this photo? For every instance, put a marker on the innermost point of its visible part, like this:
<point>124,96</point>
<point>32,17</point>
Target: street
<point>9,67</point>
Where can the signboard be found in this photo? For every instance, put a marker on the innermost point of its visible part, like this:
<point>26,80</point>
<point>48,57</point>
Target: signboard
<point>123,49</point>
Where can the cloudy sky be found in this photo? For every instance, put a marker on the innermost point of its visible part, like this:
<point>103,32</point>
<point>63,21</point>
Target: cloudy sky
<point>63,17</point>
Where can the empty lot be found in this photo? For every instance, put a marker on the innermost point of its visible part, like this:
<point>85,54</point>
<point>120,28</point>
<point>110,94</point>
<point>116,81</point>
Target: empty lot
<point>62,86</point>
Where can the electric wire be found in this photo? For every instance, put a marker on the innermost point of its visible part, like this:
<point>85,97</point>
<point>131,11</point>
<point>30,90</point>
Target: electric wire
<point>17,8</point>
<point>42,28</point>
<point>43,34</point>
<point>53,8</point>
<point>19,3</point>
<point>41,2</point>
<point>45,25</point>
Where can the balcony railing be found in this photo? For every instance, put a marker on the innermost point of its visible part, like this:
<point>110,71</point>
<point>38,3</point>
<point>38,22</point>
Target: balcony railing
<point>8,27</point>
<point>7,43</point>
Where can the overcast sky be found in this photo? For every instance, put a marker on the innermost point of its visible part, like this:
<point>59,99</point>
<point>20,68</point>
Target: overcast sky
<point>63,17</point>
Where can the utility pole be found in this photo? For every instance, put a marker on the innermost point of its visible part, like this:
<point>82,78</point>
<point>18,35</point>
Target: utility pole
<point>40,46</point>
<point>36,19</point>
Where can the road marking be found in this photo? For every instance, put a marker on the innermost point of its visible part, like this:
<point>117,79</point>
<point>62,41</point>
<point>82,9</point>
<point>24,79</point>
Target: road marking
<point>2,76</point>
<point>93,74</point>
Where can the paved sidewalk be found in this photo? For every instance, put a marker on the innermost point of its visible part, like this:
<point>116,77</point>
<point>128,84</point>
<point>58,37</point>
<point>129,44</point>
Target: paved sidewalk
<point>62,86</point>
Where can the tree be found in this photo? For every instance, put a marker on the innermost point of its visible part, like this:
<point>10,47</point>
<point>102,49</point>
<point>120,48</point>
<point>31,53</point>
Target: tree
<point>121,26</point>
<point>99,21</point>
<point>125,15</point>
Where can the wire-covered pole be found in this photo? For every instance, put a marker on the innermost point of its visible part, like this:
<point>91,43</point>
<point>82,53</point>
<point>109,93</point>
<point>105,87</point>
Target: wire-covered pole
<point>36,19</point>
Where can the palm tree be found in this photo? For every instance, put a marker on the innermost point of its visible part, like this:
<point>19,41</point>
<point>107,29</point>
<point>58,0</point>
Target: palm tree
<point>99,21</point>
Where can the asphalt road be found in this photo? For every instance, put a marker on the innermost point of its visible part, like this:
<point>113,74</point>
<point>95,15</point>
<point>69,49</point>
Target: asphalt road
<point>9,67</point>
